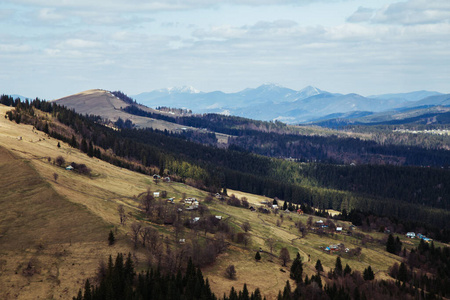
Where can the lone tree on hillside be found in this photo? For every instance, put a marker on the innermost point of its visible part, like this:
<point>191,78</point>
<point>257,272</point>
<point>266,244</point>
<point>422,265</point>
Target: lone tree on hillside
<point>230,272</point>
<point>122,215</point>
<point>257,256</point>
<point>246,226</point>
<point>284,256</point>
<point>271,243</point>
<point>135,230</point>
<point>60,161</point>
<point>111,238</point>
<point>55,176</point>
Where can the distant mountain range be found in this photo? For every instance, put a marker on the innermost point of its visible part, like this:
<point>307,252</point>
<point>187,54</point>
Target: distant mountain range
<point>274,102</point>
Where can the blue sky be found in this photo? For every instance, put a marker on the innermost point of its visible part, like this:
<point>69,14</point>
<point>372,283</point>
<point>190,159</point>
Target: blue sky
<point>54,48</point>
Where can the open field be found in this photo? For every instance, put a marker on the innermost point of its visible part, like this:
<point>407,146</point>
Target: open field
<point>60,227</point>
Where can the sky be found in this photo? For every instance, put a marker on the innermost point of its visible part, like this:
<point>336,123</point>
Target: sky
<point>54,48</point>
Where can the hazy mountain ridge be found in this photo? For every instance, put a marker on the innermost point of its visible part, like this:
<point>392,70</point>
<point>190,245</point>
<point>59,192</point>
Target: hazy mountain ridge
<point>274,102</point>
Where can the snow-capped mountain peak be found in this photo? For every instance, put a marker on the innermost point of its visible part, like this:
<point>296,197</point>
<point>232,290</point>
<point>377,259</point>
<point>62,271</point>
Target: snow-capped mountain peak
<point>182,90</point>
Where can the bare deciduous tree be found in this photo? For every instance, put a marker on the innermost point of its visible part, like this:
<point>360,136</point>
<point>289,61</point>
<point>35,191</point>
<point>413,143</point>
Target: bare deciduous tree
<point>122,215</point>
<point>145,234</point>
<point>284,256</point>
<point>60,161</point>
<point>135,230</point>
<point>271,243</point>
<point>55,176</point>
<point>246,226</point>
<point>230,272</point>
<point>309,222</point>
<point>147,202</point>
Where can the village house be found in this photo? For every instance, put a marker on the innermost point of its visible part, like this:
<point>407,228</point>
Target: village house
<point>411,235</point>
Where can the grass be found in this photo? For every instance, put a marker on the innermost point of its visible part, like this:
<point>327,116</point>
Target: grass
<point>62,226</point>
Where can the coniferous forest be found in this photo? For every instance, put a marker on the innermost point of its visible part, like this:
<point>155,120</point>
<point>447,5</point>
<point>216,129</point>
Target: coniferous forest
<point>414,195</point>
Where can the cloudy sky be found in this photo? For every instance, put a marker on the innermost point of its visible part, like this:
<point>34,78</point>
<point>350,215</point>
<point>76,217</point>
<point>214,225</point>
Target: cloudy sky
<point>54,48</point>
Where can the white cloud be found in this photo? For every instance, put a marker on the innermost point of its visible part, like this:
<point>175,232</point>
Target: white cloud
<point>411,12</point>
<point>80,43</point>
<point>14,48</point>
<point>49,14</point>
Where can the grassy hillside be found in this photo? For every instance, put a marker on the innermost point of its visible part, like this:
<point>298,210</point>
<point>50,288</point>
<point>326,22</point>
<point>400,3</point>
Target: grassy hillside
<point>54,232</point>
<point>105,104</point>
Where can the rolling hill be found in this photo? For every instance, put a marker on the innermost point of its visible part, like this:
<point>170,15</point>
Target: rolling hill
<point>55,230</point>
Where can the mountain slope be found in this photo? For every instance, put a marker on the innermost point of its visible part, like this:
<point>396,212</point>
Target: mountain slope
<point>105,104</point>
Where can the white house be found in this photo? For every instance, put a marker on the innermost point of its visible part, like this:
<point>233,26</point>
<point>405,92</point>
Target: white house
<point>411,235</point>
<point>339,229</point>
<point>156,194</point>
<point>219,217</point>
<point>196,219</point>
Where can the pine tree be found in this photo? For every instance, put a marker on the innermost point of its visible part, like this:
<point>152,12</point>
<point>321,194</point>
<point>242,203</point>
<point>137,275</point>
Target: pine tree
<point>390,244</point>
<point>318,266</point>
<point>257,256</point>
<point>347,270</point>
<point>87,291</point>
<point>338,267</point>
<point>287,291</point>
<point>297,269</point>
<point>368,273</point>
<point>111,238</point>
<point>90,152</point>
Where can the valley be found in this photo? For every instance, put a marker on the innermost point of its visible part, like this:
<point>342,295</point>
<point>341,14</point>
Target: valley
<point>58,237</point>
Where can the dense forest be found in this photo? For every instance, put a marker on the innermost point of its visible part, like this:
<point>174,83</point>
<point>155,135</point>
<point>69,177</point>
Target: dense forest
<point>278,140</point>
<point>415,195</point>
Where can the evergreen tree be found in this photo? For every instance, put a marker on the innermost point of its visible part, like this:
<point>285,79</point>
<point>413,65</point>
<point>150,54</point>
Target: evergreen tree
<point>398,246</point>
<point>287,291</point>
<point>338,267</point>
<point>111,238</point>
<point>402,272</point>
<point>73,142</point>
<point>318,266</point>
<point>297,269</point>
<point>285,206</point>
<point>90,152</point>
<point>390,244</point>
<point>347,270</point>
<point>257,256</point>
<point>368,274</point>
<point>87,291</point>
<point>59,145</point>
